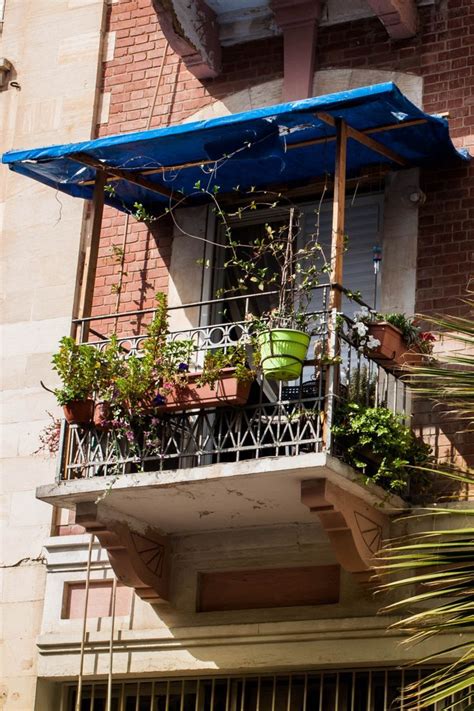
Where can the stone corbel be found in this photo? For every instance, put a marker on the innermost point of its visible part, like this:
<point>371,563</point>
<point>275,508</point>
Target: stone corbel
<point>139,560</point>
<point>5,71</point>
<point>399,17</point>
<point>193,33</point>
<point>355,529</point>
<point>298,20</point>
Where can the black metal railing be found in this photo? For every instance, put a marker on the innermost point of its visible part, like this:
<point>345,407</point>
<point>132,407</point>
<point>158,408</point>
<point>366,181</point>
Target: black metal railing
<point>279,418</point>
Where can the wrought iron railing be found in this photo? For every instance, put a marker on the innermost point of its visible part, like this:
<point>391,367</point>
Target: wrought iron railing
<point>278,419</point>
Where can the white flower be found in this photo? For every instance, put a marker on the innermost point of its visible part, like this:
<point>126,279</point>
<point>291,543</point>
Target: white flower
<point>373,342</point>
<point>361,328</point>
<point>363,313</point>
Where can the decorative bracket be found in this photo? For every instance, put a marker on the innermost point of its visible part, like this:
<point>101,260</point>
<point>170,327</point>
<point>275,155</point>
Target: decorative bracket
<point>355,529</point>
<point>298,20</point>
<point>140,561</point>
<point>191,29</point>
<point>5,71</point>
<point>399,17</point>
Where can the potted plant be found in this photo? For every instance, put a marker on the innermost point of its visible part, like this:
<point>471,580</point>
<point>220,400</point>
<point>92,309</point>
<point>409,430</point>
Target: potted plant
<point>224,379</point>
<point>271,262</point>
<point>393,339</point>
<point>164,376</point>
<point>375,441</point>
<point>77,366</point>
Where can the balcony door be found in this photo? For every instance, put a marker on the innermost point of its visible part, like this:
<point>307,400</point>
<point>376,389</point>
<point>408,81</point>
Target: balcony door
<point>364,220</point>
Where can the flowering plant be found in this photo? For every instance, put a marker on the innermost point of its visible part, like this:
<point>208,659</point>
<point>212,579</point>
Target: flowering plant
<point>413,335</point>
<point>359,332</point>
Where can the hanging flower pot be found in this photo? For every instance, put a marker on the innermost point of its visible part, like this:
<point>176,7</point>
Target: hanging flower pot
<point>283,352</point>
<point>79,412</point>
<point>227,390</point>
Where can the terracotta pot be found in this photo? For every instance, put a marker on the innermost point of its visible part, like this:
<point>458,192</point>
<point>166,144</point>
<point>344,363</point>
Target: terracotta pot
<point>79,412</point>
<point>228,390</point>
<point>391,346</point>
<point>101,415</point>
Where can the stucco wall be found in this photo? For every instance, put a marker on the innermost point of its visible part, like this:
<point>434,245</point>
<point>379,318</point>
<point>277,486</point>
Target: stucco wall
<point>55,50</point>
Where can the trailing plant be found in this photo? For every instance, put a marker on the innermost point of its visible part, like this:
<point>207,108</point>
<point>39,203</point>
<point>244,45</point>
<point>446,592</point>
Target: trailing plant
<point>376,442</point>
<point>78,366</point>
<point>49,436</point>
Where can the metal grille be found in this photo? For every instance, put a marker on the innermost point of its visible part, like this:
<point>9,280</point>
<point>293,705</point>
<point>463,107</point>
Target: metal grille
<point>352,690</point>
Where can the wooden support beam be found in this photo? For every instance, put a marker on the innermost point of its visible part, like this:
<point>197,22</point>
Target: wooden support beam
<point>90,266</point>
<point>338,215</point>
<point>399,17</point>
<point>335,296</point>
<point>290,146</point>
<point>366,140</point>
<point>129,175</point>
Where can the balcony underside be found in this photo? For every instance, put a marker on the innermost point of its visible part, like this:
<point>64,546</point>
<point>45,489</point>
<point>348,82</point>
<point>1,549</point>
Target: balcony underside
<point>136,516</point>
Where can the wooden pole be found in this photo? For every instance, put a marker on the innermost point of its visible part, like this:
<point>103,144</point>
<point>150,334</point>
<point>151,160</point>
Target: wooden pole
<point>338,215</point>
<point>84,626</point>
<point>337,259</point>
<point>90,266</point>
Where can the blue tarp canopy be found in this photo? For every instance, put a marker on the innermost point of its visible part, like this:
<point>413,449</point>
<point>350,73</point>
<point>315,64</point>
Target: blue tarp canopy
<point>286,145</point>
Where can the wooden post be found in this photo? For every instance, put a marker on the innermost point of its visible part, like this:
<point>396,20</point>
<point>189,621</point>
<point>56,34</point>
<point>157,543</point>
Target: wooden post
<point>337,258</point>
<point>338,214</point>
<point>90,267</point>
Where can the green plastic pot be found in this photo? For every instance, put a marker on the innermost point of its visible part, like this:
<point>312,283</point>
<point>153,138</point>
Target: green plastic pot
<point>283,351</point>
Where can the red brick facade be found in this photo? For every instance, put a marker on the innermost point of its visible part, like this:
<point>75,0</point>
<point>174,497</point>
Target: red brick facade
<point>443,54</point>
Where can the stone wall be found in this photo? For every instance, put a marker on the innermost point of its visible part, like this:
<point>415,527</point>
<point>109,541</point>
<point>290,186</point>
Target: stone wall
<point>55,50</point>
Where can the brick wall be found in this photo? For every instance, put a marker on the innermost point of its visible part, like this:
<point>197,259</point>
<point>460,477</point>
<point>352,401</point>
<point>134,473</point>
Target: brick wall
<point>443,53</point>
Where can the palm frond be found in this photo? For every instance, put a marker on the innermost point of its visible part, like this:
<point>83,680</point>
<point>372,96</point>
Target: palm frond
<point>436,567</point>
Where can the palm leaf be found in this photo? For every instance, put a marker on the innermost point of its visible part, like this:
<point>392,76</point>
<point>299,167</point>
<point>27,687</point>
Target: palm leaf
<point>439,564</point>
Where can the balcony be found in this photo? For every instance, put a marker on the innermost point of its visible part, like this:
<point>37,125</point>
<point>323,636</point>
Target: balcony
<point>269,461</point>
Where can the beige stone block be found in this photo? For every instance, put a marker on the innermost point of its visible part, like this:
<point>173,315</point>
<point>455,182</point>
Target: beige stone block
<point>24,583</point>
<point>38,367</point>
<point>21,618</point>
<point>76,47</point>
<point>73,4</point>
<point>20,655</point>
<point>9,440</point>
<point>26,473</point>
<point>104,107</point>
<point>19,691</point>
<point>17,307</point>
<point>109,46</point>
<point>13,372</point>
<point>26,510</point>
<point>24,543</point>
<point>26,405</point>
<point>33,337</point>
<point>51,302</point>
